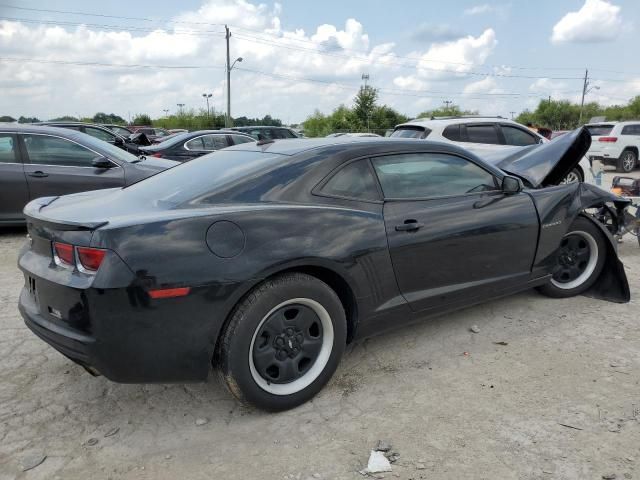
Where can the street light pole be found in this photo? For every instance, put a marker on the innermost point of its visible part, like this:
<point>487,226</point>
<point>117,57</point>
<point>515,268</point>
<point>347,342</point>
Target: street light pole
<point>180,105</point>
<point>228,122</point>
<point>207,96</point>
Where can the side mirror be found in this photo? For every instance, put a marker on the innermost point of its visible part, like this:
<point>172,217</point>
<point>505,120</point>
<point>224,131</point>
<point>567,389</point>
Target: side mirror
<point>102,162</point>
<point>511,185</point>
<point>118,141</point>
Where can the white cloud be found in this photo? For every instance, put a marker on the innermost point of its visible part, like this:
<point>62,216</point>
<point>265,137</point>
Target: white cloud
<point>458,56</point>
<point>485,8</point>
<point>427,32</point>
<point>596,21</point>
<point>486,85</point>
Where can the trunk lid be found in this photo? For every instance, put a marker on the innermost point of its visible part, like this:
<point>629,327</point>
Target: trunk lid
<point>544,164</point>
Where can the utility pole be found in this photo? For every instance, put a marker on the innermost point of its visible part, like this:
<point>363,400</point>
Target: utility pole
<point>227,122</point>
<point>585,85</point>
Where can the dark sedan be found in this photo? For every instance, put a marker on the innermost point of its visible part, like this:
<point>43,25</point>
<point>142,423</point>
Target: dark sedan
<point>267,133</point>
<point>101,133</point>
<point>268,258</point>
<point>187,146</point>
<point>38,161</point>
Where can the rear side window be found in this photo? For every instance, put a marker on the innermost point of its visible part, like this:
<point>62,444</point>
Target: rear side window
<point>283,133</point>
<point>215,142</point>
<point>517,136</point>
<point>599,130</point>
<point>237,139</point>
<point>7,148</point>
<point>430,175</point>
<point>411,132</point>
<point>195,144</point>
<point>452,132</point>
<point>630,130</point>
<point>353,181</point>
<point>46,150</point>
<point>482,134</point>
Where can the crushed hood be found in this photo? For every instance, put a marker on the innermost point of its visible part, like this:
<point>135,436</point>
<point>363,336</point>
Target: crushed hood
<point>547,163</point>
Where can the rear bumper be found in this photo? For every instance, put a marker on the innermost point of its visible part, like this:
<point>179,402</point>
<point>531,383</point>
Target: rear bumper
<point>603,159</point>
<point>70,343</point>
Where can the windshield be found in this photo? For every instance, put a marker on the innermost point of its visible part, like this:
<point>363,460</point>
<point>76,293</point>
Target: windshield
<point>409,132</point>
<point>105,148</point>
<point>599,130</point>
<point>202,176</point>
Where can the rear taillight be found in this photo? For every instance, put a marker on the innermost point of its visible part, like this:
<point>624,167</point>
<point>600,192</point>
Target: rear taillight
<point>90,258</point>
<point>608,139</point>
<point>63,254</point>
<point>157,155</point>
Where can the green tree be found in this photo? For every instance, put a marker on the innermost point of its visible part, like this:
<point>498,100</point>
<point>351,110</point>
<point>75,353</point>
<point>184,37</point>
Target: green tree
<point>142,119</point>
<point>28,120</point>
<point>101,117</point>
<point>451,111</point>
<point>365,103</point>
<point>7,119</point>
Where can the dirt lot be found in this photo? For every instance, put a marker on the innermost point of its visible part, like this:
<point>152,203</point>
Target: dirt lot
<point>560,401</point>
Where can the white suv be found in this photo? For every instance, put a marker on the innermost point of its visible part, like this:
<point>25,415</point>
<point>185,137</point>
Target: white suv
<point>615,143</point>
<point>483,135</point>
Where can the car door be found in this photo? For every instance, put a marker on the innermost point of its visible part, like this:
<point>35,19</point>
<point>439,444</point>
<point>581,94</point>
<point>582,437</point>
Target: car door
<point>14,190</point>
<point>58,166</point>
<point>453,235</point>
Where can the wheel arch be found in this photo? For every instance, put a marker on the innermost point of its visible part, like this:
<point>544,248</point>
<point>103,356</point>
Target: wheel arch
<point>338,281</point>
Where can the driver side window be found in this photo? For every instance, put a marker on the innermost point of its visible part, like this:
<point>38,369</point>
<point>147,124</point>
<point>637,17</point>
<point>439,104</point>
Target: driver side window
<point>46,150</point>
<point>430,175</point>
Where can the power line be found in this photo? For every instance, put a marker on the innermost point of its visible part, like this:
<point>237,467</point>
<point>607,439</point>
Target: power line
<point>102,64</point>
<point>417,59</point>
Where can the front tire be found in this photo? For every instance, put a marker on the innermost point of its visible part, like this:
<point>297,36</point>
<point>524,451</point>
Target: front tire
<point>627,161</point>
<point>574,176</point>
<point>578,261</point>
<point>283,342</point>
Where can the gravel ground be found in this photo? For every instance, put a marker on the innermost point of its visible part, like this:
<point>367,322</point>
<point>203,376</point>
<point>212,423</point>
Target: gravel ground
<point>559,400</point>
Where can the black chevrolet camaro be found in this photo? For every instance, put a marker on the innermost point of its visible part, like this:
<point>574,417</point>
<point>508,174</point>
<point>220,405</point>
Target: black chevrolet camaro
<point>266,259</point>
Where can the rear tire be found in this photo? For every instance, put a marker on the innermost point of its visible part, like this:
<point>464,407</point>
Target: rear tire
<point>627,161</point>
<point>574,176</point>
<point>579,260</point>
<point>283,342</point>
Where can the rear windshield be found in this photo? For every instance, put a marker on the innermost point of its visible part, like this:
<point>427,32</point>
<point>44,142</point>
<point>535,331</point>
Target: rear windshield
<point>203,176</point>
<point>411,132</point>
<point>599,130</point>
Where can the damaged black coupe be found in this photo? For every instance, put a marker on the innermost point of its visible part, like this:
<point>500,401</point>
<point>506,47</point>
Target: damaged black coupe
<point>266,259</point>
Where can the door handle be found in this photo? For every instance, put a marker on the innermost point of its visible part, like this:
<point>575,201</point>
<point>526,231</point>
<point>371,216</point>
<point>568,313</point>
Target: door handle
<point>409,226</point>
<point>39,174</point>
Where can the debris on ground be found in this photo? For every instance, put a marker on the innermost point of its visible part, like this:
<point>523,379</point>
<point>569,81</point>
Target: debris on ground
<point>92,441</point>
<point>201,421</point>
<point>504,344</point>
<point>609,476</point>
<point>393,457</point>
<point>112,432</point>
<point>377,463</point>
<point>475,329</point>
<point>383,446</point>
<point>32,462</point>
<point>466,354</point>
<point>420,466</point>
<point>570,426</point>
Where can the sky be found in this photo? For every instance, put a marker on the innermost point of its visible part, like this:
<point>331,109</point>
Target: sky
<point>72,57</point>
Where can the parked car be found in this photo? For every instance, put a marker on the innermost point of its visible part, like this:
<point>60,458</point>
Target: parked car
<point>154,134</point>
<point>119,129</point>
<point>100,132</point>
<point>558,133</point>
<point>267,133</point>
<point>177,130</point>
<point>269,260</point>
<point>39,161</point>
<point>186,146</point>
<point>615,143</point>
<point>484,135</point>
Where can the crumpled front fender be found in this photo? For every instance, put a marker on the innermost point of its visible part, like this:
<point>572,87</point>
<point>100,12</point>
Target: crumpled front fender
<point>557,208</point>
